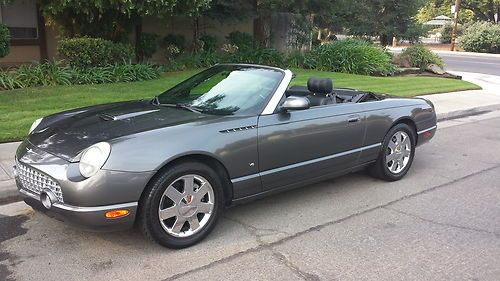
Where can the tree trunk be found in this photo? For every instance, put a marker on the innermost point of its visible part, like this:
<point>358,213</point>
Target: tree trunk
<point>195,46</point>
<point>138,33</point>
<point>384,39</point>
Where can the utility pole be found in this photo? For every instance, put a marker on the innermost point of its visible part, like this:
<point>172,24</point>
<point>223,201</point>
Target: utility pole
<point>455,25</point>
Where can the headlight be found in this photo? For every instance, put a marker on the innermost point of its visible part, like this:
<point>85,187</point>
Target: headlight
<point>93,158</point>
<point>35,124</point>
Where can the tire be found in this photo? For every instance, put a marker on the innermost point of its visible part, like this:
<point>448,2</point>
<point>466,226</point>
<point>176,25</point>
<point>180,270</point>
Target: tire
<point>384,167</point>
<point>168,196</point>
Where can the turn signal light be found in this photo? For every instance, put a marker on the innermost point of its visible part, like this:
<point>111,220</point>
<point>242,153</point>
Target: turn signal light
<point>116,214</point>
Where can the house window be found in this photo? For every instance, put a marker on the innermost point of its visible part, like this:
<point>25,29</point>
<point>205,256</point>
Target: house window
<point>21,18</point>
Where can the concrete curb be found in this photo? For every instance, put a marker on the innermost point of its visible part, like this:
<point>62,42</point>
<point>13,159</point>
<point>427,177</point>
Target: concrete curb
<point>8,192</point>
<point>468,112</point>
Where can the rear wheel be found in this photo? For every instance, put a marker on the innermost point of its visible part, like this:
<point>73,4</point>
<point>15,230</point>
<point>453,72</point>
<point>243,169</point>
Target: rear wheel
<point>182,205</point>
<point>397,153</point>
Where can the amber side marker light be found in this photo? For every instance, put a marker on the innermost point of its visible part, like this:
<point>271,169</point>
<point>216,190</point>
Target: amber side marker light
<point>116,214</point>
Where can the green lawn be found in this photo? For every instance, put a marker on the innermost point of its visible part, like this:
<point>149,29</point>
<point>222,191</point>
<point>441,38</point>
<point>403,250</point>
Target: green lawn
<point>19,108</point>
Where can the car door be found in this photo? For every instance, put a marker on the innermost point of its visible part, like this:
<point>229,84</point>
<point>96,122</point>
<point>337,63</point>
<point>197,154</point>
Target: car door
<point>304,145</point>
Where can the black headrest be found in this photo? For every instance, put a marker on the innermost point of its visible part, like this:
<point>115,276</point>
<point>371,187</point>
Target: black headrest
<point>320,85</point>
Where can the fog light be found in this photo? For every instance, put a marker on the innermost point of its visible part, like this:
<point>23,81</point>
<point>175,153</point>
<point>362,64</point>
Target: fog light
<point>116,214</point>
<point>48,199</point>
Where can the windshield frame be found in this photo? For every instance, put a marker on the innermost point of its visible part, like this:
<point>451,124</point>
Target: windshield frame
<point>258,112</point>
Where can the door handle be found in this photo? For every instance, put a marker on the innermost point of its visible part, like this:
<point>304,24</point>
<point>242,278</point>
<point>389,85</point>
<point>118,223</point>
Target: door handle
<point>353,119</point>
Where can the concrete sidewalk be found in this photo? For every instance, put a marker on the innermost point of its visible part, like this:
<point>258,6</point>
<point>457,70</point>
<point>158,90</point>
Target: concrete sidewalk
<point>451,105</point>
<point>448,105</point>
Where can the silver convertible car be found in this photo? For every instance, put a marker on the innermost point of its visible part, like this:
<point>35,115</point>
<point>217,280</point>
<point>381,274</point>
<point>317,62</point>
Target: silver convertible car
<point>229,134</point>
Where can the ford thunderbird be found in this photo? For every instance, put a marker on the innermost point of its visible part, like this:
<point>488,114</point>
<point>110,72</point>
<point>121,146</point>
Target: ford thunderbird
<point>229,134</point>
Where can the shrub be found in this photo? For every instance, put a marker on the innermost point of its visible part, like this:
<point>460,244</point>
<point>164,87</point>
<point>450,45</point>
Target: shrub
<point>419,56</point>
<point>120,53</point>
<point>148,45</point>
<point>243,40</point>
<point>43,74</point>
<point>88,52</point>
<point>446,33</point>
<point>350,56</point>
<point>481,37</point>
<point>55,73</point>
<point>173,45</point>
<point>174,39</point>
<point>4,40</point>
<point>8,81</point>
<point>209,43</point>
<point>295,59</point>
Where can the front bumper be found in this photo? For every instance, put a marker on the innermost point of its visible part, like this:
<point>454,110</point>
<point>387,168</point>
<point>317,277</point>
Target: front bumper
<point>79,201</point>
<point>88,218</point>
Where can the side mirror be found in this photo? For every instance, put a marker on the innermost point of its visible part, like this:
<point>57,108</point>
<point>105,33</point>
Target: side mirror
<point>295,103</point>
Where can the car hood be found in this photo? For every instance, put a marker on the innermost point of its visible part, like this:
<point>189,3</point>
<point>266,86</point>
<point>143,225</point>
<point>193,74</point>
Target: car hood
<point>66,134</point>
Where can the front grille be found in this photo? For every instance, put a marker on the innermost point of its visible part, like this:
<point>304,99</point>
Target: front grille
<point>35,181</point>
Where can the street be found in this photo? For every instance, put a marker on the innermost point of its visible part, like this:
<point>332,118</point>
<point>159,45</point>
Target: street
<point>439,223</point>
<point>471,63</point>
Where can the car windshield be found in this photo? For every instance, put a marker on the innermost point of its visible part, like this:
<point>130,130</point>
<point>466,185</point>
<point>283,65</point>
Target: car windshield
<point>225,90</point>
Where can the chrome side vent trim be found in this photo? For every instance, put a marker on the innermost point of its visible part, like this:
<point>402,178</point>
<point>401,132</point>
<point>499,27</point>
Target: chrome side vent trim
<point>239,129</point>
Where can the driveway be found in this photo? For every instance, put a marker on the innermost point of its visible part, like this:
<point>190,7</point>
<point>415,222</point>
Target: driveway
<point>439,223</point>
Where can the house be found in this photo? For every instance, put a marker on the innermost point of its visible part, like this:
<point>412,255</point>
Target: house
<point>32,39</point>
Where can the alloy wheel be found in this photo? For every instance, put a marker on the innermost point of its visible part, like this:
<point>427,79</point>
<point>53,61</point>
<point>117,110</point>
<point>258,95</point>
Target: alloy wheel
<point>398,152</point>
<point>186,205</point>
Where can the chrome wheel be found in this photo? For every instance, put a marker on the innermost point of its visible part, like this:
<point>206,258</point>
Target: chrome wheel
<point>186,205</point>
<point>398,152</point>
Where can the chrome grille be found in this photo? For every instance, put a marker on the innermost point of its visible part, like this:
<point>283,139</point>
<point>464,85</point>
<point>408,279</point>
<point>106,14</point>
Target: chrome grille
<point>35,181</point>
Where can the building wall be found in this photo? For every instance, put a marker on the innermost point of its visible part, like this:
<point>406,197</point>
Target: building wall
<point>21,54</point>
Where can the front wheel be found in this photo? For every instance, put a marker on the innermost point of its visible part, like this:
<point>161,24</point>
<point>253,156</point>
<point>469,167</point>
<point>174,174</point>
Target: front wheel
<point>396,156</point>
<point>182,205</point>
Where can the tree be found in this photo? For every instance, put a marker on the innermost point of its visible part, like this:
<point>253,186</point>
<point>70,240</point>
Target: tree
<point>385,18</point>
<point>322,14</point>
<point>470,9</point>
<point>223,11</point>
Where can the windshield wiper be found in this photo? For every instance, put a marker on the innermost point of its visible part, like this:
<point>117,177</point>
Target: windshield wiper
<point>182,106</point>
<point>155,100</point>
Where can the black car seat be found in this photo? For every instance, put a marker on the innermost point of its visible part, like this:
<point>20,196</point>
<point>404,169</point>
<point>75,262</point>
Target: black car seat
<point>320,91</point>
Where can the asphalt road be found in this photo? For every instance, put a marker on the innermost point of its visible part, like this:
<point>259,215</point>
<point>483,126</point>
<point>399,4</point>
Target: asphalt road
<point>471,63</point>
<point>439,223</point>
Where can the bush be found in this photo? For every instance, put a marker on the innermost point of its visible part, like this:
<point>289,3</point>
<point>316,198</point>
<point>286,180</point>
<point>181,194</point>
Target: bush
<point>243,40</point>
<point>4,40</point>
<point>350,56</point>
<point>446,33</point>
<point>148,45</point>
<point>481,37</point>
<point>86,52</point>
<point>45,74</point>
<point>55,73</point>
<point>419,56</point>
<point>174,39</point>
<point>209,43</point>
